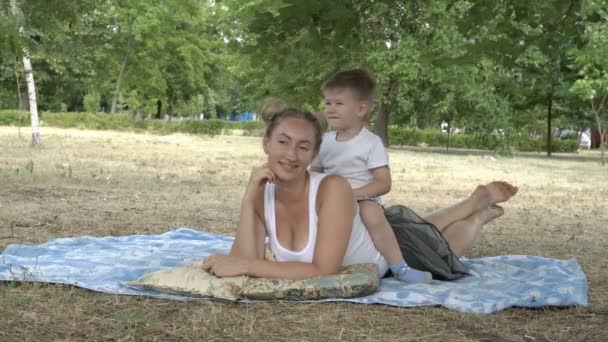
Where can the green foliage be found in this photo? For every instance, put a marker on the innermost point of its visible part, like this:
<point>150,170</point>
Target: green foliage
<point>405,136</point>
<point>251,128</point>
<point>121,122</point>
<point>187,108</point>
<point>499,143</point>
<point>480,65</point>
<point>14,118</point>
<point>86,120</point>
<point>210,127</point>
<point>91,102</point>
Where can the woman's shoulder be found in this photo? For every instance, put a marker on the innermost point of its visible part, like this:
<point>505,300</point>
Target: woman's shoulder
<point>333,185</point>
<point>333,196</point>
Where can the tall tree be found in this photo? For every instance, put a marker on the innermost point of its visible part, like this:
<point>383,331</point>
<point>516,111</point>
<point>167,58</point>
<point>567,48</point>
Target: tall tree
<point>590,58</point>
<point>409,45</point>
<point>32,22</point>
<point>161,55</point>
<point>29,73</point>
<point>532,39</point>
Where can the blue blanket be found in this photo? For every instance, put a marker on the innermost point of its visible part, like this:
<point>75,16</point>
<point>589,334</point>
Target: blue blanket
<point>104,264</point>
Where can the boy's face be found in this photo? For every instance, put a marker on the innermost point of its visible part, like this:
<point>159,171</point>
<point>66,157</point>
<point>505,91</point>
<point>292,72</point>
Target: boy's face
<point>343,109</point>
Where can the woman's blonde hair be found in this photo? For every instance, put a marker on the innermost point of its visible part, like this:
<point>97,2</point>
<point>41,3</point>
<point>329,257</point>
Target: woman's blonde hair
<point>296,113</point>
<point>270,107</point>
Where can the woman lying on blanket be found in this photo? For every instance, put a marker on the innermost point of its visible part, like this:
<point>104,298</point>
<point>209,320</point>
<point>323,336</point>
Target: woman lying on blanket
<point>312,220</point>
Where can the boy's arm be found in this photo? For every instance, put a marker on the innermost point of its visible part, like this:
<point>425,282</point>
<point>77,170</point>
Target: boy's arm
<point>379,185</point>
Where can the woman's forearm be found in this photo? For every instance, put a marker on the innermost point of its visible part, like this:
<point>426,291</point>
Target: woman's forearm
<point>285,270</point>
<point>247,240</point>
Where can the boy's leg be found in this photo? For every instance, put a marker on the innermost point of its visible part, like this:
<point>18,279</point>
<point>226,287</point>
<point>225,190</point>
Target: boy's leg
<point>385,241</point>
<point>380,231</point>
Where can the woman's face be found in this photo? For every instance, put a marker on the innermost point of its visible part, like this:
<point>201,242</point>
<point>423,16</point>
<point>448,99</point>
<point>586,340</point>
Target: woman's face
<point>290,148</point>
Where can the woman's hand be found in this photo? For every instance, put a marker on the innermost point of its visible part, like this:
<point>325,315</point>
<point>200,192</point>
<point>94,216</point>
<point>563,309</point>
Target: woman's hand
<point>225,265</point>
<point>259,176</point>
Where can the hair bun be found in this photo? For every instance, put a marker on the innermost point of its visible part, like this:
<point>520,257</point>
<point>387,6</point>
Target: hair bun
<point>270,107</point>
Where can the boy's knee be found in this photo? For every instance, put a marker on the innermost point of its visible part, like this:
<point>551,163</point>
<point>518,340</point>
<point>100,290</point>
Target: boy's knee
<point>372,213</point>
<point>369,206</point>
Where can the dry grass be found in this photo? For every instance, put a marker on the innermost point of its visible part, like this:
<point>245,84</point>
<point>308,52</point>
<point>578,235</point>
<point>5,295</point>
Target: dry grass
<point>109,183</point>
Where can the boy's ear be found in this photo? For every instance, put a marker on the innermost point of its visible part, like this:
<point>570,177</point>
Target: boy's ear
<point>363,109</point>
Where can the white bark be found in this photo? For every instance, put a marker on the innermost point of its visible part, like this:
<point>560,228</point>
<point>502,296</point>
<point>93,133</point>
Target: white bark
<point>31,92</point>
<point>29,77</point>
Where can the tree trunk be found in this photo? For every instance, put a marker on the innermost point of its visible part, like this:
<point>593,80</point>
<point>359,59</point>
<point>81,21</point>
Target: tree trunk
<point>596,113</point>
<point>19,104</point>
<point>549,108</point>
<point>159,107</point>
<point>602,146</point>
<point>123,66</point>
<point>31,92</point>
<point>29,77</point>
<point>382,122</point>
<point>386,107</point>
<point>447,146</point>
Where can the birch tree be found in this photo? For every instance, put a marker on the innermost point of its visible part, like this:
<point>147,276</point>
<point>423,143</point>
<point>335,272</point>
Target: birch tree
<point>29,74</point>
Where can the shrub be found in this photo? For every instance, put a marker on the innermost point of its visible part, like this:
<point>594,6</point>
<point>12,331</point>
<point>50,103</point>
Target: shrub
<point>405,136</point>
<point>499,143</point>
<point>566,145</point>
<point>91,102</point>
<point>435,138</point>
<point>251,128</point>
<point>88,120</point>
<point>210,127</point>
<point>14,118</point>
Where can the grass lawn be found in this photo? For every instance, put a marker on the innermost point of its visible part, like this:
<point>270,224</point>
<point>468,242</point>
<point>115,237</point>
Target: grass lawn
<point>114,183</point>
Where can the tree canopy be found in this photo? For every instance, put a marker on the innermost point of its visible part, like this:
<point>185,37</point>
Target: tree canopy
<point>485,66</point>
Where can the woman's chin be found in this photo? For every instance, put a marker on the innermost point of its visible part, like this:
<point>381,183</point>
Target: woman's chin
<point>287,176</point>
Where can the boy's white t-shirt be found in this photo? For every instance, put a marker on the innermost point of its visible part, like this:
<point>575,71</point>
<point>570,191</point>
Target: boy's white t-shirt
<point>352,159</point>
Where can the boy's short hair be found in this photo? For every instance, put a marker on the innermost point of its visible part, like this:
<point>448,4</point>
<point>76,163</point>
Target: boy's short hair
<point>360,81</point>
<point>270,107</point>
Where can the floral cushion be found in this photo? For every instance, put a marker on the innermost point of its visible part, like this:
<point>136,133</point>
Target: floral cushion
<point>191,280</point>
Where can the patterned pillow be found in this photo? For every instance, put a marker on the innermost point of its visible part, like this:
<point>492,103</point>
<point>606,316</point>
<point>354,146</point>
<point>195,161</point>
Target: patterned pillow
<point>352,281</point>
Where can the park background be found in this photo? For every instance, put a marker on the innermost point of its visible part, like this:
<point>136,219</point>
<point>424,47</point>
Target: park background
<point>120,86</point>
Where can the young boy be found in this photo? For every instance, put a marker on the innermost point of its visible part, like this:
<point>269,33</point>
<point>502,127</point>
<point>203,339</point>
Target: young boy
<point>352,151</point>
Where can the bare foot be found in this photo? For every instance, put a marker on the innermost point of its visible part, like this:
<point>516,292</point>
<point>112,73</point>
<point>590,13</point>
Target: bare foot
<point>490,213</point>
<point>494,192</point>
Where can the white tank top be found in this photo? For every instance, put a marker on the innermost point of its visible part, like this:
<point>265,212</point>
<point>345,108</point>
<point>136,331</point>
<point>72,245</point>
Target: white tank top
<point>360,249</point>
